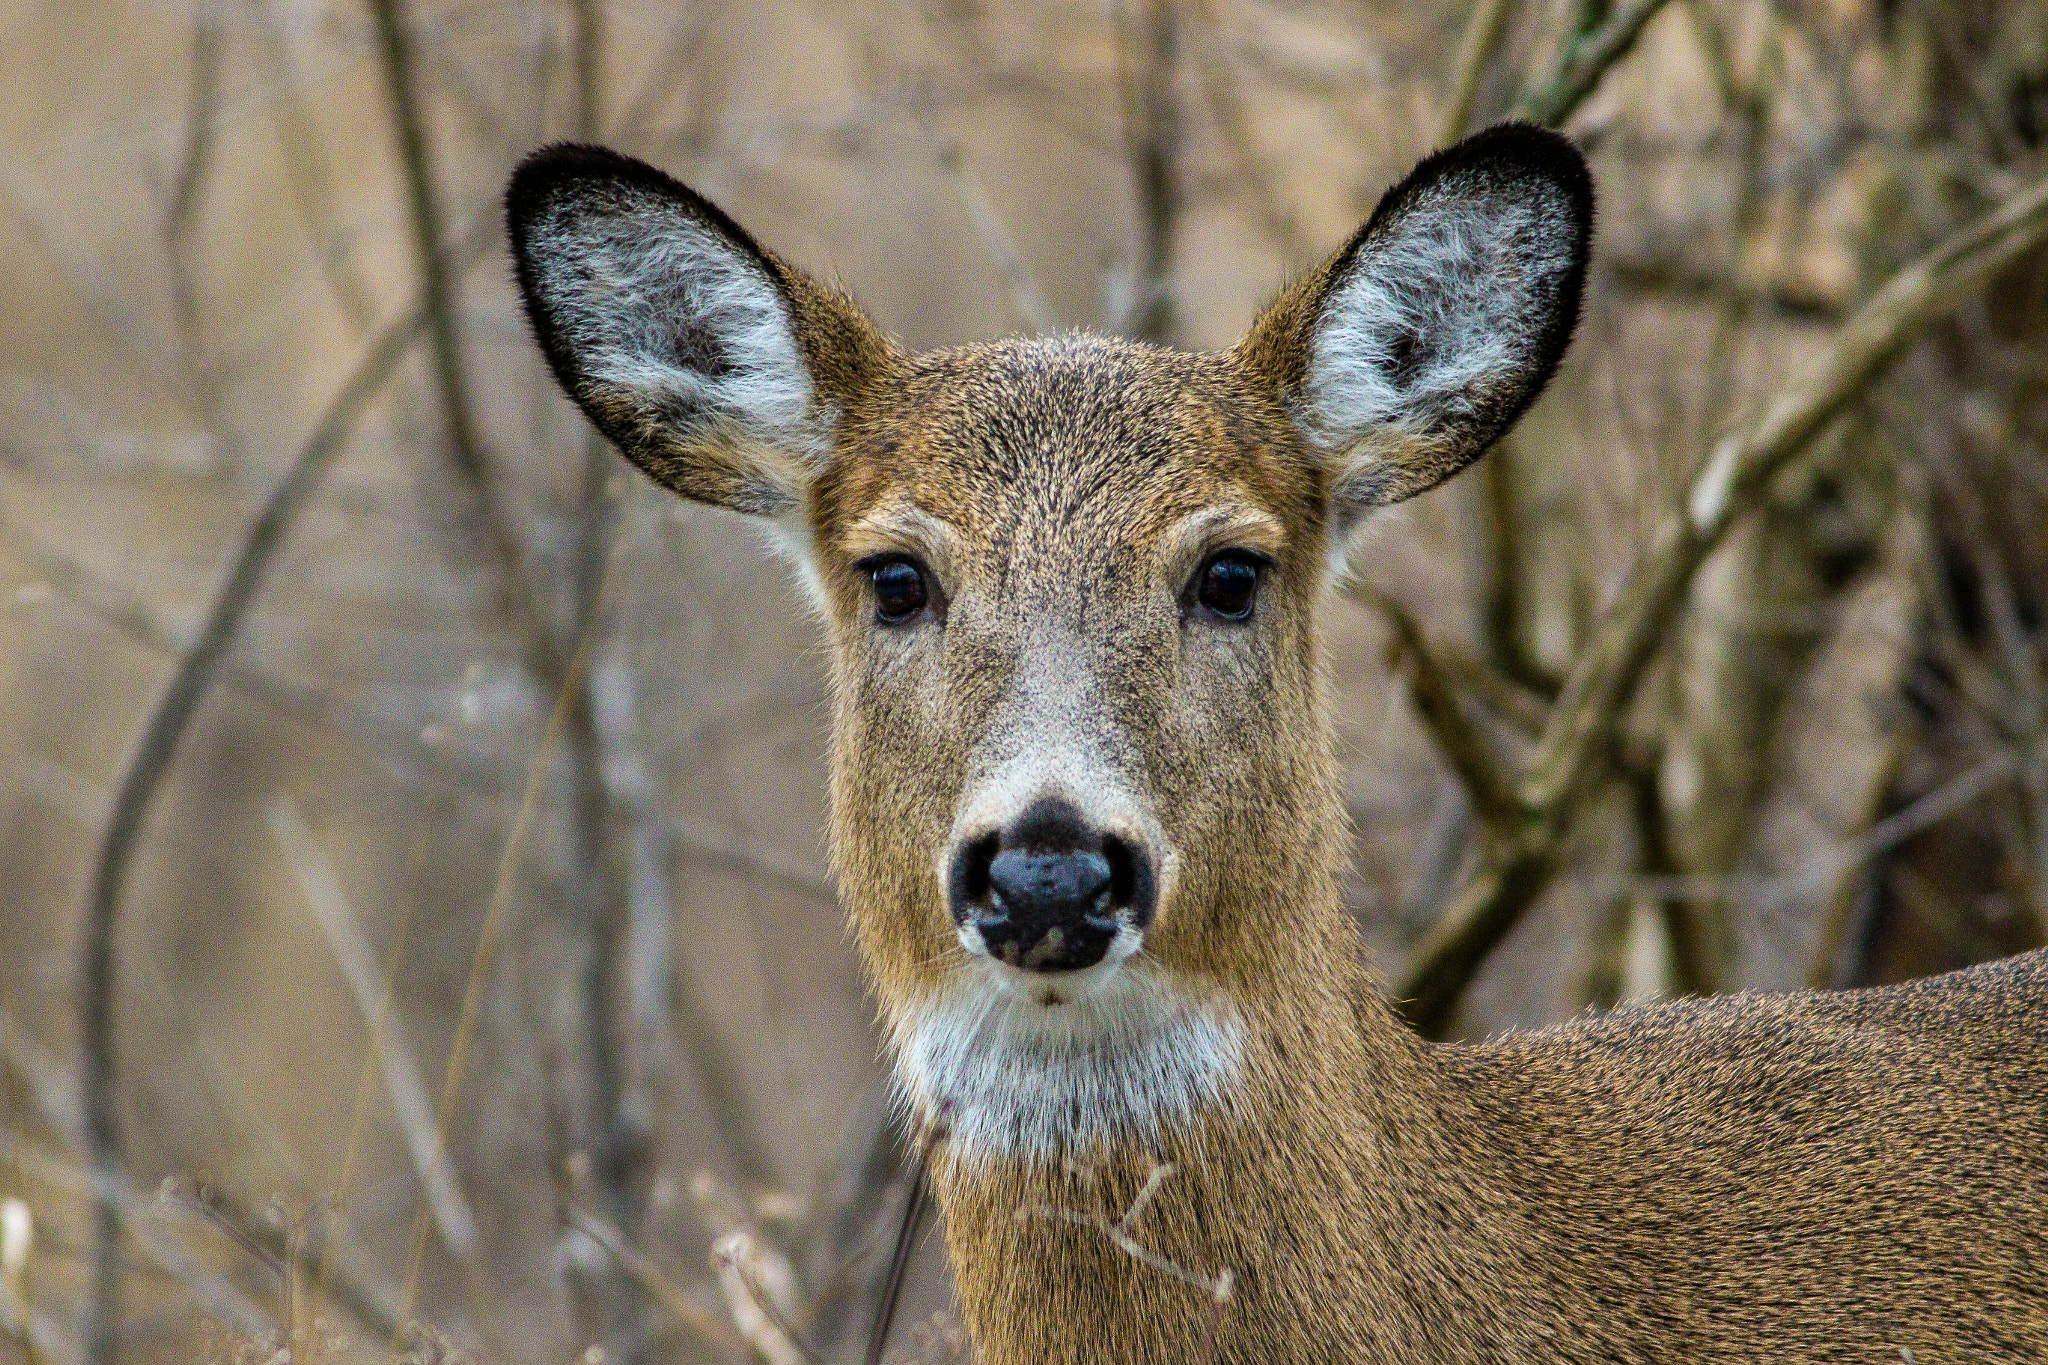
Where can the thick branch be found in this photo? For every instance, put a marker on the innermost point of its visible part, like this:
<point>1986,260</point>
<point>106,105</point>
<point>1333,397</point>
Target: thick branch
<point>1741,468</point>
<point>1506,582</point>
<point>1603,681</point>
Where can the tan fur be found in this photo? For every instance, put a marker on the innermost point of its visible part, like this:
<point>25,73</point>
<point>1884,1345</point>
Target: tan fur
<point>1802,1178</point>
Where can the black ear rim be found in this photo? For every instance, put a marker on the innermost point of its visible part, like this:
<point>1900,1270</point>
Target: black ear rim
<point>540,179</point>
<point>1512,151</point>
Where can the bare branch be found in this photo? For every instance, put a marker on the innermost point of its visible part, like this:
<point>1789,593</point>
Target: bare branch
<point>66,1112</point>
<point>753,1303</point>
<point>1226,102</point>
<point>906,1236</point>
<point>1741,468</point>
<point>1219,1287</point>
<point>486,952</point>
<point>720,1338</point>
<point>187,190</point>
<point>1152,142</point>
<point>150,763</point>
<point>1689,926</point>
<point>1675,277</point>
<point>1503,610</point>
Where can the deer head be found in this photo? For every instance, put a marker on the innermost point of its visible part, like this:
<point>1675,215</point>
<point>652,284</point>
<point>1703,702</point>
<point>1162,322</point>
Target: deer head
<point>1085,817</point>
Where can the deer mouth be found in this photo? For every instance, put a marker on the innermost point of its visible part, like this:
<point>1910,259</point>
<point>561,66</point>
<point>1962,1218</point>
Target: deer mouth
<point>1032,981</point>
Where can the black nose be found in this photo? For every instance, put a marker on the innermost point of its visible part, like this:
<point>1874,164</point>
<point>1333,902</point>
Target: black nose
<point>1048,894</point>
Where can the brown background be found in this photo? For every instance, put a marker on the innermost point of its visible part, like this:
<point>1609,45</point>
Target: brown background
<point>203,225</point>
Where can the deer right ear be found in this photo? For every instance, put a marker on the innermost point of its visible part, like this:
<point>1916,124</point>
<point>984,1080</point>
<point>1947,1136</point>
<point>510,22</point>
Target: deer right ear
<point>716,368</point>
<point>1436,326</point>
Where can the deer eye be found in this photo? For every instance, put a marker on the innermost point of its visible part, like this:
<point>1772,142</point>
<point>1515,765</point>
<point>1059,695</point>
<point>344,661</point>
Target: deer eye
<point>1227,584</point>
<point>900,589</point>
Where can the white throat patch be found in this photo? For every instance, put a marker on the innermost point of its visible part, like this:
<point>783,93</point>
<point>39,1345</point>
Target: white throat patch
<point>1128,1057</point>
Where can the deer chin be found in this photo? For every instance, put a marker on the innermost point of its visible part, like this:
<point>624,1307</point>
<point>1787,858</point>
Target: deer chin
<point>1043,1066</point>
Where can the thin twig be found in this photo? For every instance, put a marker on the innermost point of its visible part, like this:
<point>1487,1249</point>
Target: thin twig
<point>906,1239</point>
<point>188,189</point>
<point>1603,681</point>
<point>658,1287</point>
<point>465,444</point>
<point>1226,102</point>
<point>1583,61</point>
<point>1951,797</point>
<point>596,902</point>
<point>1152,145</point>
<point>486,951</point>
<point>1218,1287</point>
<point>397,748</point>
<point>774,1331</point>
<point>1025,294</point>
<point>613,1090</point>
<point>309,172</point>
<point>848,1220</point>
<point>338,923</point>
<point>1476,53</point>
<point>64,1110</point>
<point>437,287</point>
<point>685,39</point>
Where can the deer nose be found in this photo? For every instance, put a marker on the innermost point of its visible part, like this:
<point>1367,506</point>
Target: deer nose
<point>1049,893</point>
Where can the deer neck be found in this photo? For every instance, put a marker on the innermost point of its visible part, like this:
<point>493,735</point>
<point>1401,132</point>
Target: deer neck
<point>1284,1215</point>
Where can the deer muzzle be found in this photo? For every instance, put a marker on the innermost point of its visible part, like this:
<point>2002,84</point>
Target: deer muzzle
<point>1049,892</point>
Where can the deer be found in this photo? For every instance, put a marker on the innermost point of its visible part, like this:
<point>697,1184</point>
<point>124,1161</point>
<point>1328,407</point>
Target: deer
<point>1087,828</point>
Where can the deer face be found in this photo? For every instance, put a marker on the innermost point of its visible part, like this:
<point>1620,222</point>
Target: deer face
<point>1081,769</point>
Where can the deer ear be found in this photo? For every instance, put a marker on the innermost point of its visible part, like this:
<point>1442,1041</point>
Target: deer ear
<point>713,366</point>
<point>1422,340</point>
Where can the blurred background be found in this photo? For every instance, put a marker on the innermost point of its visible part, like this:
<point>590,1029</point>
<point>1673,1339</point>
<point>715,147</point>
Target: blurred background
<point>415,931</point>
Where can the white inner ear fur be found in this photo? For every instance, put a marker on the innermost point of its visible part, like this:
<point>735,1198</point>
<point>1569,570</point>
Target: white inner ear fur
<point>636,286</point>
<point>1464,277</point>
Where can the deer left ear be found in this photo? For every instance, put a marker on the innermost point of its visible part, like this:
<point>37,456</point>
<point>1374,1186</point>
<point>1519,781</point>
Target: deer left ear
<point>1422,340</point>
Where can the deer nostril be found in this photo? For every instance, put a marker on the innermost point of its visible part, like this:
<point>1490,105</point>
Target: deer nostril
<point>1130,879</point>
<point>970,874</point>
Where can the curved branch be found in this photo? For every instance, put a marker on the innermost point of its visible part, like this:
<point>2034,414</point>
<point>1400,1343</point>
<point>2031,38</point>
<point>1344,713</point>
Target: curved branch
<point>1573,752</point>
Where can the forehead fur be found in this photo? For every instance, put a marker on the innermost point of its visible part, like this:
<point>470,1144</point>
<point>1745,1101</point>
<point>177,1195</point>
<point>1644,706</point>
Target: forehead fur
<point>1079,439</point>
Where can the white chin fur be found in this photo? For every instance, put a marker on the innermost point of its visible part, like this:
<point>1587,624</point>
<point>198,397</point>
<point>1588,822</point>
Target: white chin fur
<point>1122,1054</point>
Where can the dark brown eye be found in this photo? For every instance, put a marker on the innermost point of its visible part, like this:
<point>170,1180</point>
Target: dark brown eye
<point>1227,584</point>
<point>900,591</point>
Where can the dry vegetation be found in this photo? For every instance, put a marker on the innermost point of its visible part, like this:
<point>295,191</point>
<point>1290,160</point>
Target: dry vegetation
<point>417,936</point>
